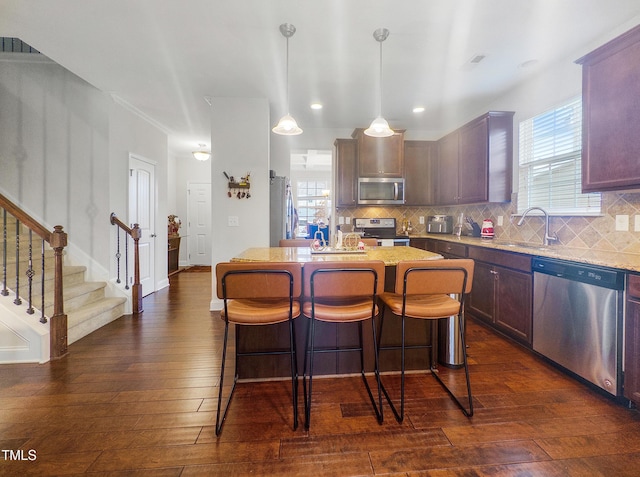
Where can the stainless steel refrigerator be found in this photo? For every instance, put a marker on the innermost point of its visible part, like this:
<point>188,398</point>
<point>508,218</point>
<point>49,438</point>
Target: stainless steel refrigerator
<point>281,210</point>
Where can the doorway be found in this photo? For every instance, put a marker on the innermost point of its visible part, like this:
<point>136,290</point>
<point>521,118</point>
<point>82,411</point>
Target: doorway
<point>199,224</point>
<point>311,180</point>
<point>142,211</point>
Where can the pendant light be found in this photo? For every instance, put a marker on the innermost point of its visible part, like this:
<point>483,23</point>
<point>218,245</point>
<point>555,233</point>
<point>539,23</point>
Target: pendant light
<point>380,127</point>
<point>287,126</point>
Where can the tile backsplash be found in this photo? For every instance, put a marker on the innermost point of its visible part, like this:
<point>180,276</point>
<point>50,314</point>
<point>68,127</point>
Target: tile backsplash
<point>597,233</point>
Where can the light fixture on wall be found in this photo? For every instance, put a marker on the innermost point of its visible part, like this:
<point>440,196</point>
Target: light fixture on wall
<point>380,127</point>
<point>202,154</point>
<point>287,126</point>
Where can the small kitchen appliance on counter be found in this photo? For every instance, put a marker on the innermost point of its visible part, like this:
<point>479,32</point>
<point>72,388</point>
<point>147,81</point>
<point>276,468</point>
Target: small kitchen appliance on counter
<point>382,229</point>
<point>487,229</point>
<point>440,224</point>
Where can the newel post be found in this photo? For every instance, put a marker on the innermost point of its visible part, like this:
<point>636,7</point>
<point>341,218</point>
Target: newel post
<point>136,290</point>
<point>58,322</point>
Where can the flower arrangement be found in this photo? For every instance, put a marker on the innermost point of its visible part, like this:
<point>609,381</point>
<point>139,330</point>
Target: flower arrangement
<point>174,226</point>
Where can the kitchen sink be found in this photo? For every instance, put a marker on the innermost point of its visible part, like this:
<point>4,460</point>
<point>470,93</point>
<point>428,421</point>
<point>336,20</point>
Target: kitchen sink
<point>530,246</point>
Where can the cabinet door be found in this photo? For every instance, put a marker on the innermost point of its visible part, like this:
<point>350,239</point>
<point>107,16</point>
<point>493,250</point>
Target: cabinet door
<point>473,166</point>
<point>481,301</point>
<point>419,172</point>
<point>610,91</point>
<point>447,183</point>
<point>380,156</point>
<point>632,341</point>
<point>346,174</point>
<point>632,352</point>
<point>513,313</point>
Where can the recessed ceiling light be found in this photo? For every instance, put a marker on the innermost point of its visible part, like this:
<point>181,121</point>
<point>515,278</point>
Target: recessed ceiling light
<point>316,106</point>
<point>418,109</point>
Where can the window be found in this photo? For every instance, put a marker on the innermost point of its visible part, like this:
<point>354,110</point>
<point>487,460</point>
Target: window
<point>551,163</point>
<point>313,204</point>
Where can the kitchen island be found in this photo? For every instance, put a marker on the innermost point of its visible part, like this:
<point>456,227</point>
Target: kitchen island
<point>256,339</point>
<point>389,255</point>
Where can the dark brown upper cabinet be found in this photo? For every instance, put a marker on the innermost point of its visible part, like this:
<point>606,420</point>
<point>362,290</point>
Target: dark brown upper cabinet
<point>346,161</point>
<point>380,156</point>
<point>419,172</point>
<point>611,115</point>
<point>475,162</point>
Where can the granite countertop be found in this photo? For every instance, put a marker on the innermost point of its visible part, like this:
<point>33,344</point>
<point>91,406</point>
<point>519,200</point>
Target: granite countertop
<point>389,255</point>
<point>619,260</point>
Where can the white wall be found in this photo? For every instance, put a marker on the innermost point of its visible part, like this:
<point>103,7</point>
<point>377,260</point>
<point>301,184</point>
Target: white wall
<point>64,158</point>
<point>54,143</point>
<point>240,143</point>
<point>129,133</point>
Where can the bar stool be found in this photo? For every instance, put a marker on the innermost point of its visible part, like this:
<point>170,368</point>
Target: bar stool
<point>429,290</point>
<point>341,292</point>
<point>259,294</point>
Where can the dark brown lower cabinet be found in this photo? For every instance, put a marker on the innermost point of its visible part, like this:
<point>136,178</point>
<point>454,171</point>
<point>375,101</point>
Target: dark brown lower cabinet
<point>502,292</point>
<point>632,341</point>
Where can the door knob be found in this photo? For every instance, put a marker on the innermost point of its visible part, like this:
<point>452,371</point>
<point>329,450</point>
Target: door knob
<point>152,235</point>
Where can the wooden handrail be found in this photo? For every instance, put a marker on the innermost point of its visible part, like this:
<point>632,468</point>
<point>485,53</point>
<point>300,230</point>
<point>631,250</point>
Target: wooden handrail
<point>58,241</point>
<point>25,219</point>
<point>135,233</point>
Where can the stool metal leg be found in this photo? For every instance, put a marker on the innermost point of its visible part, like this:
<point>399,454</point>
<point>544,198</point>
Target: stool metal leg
<point>221,416</point>
<point>308,355</point>
<point>294,372</point>
<point>466,411</point>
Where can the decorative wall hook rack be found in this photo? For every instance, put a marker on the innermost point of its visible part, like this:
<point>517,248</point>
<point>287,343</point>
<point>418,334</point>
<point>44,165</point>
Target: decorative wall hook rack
<point>239,188</point>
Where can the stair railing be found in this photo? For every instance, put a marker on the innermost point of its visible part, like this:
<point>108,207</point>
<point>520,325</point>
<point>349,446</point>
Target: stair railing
<point>57,239</point>
<point>135,233</point>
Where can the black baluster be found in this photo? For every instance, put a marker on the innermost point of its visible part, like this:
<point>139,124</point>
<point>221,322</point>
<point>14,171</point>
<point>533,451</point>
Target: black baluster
<point>43,319</point>
<point>126,261</point>
<point>118,255</point>
<point>4,291</point>
<point>30,274</point>
<point>17,301</point>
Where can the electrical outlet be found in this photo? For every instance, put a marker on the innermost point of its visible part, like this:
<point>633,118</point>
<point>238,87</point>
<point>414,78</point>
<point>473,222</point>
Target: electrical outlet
<point>636,224</point>
<point>234,221</point>
<point>500,220</point>
<point>622,223</point>
<point>421,219</point>
<point>347,220</point>
<point>341,220</point>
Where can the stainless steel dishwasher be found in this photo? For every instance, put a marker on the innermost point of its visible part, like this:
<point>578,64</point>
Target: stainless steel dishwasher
<point>577,319</point>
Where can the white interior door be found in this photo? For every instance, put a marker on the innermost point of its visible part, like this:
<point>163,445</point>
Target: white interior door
<point>142,205</point>
<point>199,220</point>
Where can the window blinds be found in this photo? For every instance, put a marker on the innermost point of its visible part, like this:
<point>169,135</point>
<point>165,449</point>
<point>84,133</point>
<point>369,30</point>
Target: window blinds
<point>551,163</point>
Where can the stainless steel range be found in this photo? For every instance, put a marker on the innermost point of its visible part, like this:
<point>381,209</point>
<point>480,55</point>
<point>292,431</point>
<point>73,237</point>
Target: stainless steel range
<point>382,229</point>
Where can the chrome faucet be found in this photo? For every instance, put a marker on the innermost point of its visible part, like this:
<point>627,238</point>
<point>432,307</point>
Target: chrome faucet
<point>547,238</point>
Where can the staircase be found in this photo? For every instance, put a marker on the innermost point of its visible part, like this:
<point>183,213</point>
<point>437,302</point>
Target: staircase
<point>85,304</point>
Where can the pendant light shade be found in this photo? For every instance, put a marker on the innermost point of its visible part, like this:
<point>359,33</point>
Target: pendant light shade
<point>380,127</point>
<point>287,126</point>
<point>201,154</point>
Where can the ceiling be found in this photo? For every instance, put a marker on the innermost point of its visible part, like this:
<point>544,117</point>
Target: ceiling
<point>163,57</point>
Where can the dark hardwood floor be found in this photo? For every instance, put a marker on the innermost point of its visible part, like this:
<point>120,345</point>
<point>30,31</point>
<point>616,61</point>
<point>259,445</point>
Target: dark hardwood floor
<point>138,397</point>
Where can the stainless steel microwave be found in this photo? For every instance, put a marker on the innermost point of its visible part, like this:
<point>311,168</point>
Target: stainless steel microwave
<point>380,191</point>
